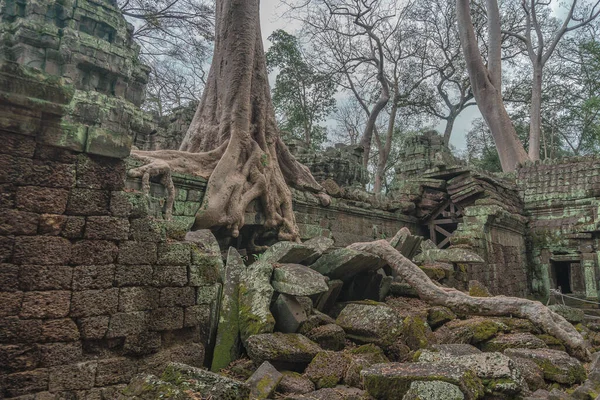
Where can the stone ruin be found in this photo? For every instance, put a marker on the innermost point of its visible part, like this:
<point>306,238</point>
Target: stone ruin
<point>101,297</point>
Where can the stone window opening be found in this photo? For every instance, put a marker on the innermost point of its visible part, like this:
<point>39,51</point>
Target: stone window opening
<point>98,29</point>
<point>443,223</point>
<point>561,272</point>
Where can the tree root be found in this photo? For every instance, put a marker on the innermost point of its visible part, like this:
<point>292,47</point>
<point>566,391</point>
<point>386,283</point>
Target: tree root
<point>534,311</point>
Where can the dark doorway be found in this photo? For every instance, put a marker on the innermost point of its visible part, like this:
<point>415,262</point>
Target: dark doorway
<point>561,271</point>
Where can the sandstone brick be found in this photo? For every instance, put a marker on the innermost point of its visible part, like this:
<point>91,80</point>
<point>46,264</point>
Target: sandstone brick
<point>105,227</point>
<point>52,224</point>
<point>127,324</point>
<point>127,204</point>
<point>78,376</point>
<point>88,202</point>
<point>16,222</point>
<point>89,168</point>
<point>9,278</point>
<point>45,277</point>
<point>20,357</point>
<point>6,248</point>
<point>166,275</point>
<point>8,193</point>
<point>133,275</point>
<point>91,303</point>
<point>15,330</point>
<point>93,327</point>
<point>191,354</point>
<point>50,304</point>
<point>142,344</point>
<point>177,296</point>
<point>94,252</point>
<point>23,383</point>
<point>43,152</point>
<point>73,228</point>
<point>114,371</point>
<point>138,298</point>
<point>196,316</point>
<point>59,330</point>
<point>17,145</point>
<point>54,354</point>
<point>48,174</point>
<point>174,253</point>
<point>147,230</point>
<point>10,303</point>
<point>132,253</point>
<point>166,318</point>
<point>43,250</point>
<point>93,277</point>
<point>42,200</point>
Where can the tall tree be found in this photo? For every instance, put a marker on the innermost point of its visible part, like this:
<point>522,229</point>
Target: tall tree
<point>486,81</point>
<point>301,95</point>
<point>233,140</point>
<point>540,32</point>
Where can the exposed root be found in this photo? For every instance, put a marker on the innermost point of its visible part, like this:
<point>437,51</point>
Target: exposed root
<point>535,311</point>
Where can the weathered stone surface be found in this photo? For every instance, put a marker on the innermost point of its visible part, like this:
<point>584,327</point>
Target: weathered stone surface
<point>472,330</point>
<point>255,295</point>
<point>393,380</point>
<point>345,263</point>
<point>288,313</point>
<point>327,369</point>
<point>227,344</point>
<point>573,315</point>
<point>288,253</point>
<point>329,337</point>
<point>336,393</point>
<point>451,255</point>
<point>557,365</point>
<point>531,373</point>
<point>513,341</point>
<point>283,350</point>
<point>456,349</point>
<point>433,390</point>
<point>264,381</point>
<point>360,358</point>
<point>295,383</point>
<point>370,323</point>
<point>297,280</point>
<point>438,316</point>
<point>319,245</point>
<point>478,289</point>
<point>205,382</point>
<point>327,300</point>
<point>497,371</point>
<point>403,289</point>
<point>416,333</point>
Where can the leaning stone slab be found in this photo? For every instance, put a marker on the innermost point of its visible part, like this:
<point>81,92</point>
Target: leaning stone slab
<point>264,381</point>
<point>298,280</point>
<point>523,340</point>
<point>557,365</point>
<point>393,380</point>
<point>288,252</point>
<point>329,337</point>
<point>205,382</point>
<point>370,322</point>
<point>320,245</point>
<point>345,263</point>
<point>227,343</point>
<point>255,294</point>
<point>289,351</point>
<point>433,390</point>
<point>289,313</point>
<point>327,300</point>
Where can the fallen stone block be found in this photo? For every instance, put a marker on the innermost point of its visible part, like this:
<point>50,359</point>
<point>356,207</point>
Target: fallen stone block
<point>295,383</point>
<point>345,263</point>
<point>327,300</point>
<point>255,294</point>
<point>370,323</point>
<point>289,313</point>
<point>327,369</point>
<point>298,280</point>
<point>288,252</point>
<point>513,341</point>
<point>557,365</point>
<point>329,337</point>
<point>290,351</point>
<point>264,381</point>
<point>319,245</point>
<point>205,382</point>
<point>433,390</point>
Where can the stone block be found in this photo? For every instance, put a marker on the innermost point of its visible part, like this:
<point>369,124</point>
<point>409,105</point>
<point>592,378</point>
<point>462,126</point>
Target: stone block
<point>51,304</point>
<point>176,296</point>
<point>51,224</point>
<point>73,227</point>
<point>93,277</point>
<point>15,330</point>
<point>6,248</point>
<point>88,202</point>
<point>114,371</point>
<point>166,319</point>
<point>93,327</point>
<point>9,277</point>
<point>138,298</point>
<point>58,330</point>
<point>47,174</point>
<point>134,275</point>
<point>78,376</point>
<point>143,344</point>
<point>16,358</point>
<point>42,250</point>
<point>288,313</point>
<point>41,199</point>
<point>345,263</point>
<point>288,252</point>
<point>147,230</point>
<point>10,303</point>
<point>264,381</point>
<point>174,254</point>
<point>55,354</point>
<point>93,252</point>
<point>196,316</point>
<point>298,280</point>
<point>16,222</point>
<point>289,351</point>
<point>370,323</point>
<point>90,168</point>
<point>24,383</point>
<point>135,253</point>
<point>107,228</point>
<point>90,303</point>
<point>326,301</point>
<point>167,275</point>
<point>127,324</point>
<point>106,143</point>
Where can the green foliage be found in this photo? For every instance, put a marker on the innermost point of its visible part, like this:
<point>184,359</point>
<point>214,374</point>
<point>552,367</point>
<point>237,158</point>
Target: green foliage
<point>302,97</point>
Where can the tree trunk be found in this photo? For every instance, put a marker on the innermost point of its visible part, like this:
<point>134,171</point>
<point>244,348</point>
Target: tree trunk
<point>367,137</point>
<point>483,81</point>
<point>384,152</point>
<point>460,302</point>
<point>535,123</point>
<point>233,139</point>
<point>449,127</point>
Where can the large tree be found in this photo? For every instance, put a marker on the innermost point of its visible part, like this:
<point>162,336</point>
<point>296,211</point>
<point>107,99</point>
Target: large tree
<point>233,140</point>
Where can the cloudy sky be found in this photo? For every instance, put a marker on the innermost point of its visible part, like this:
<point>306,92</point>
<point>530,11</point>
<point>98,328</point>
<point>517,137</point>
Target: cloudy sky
<point>271,19</point>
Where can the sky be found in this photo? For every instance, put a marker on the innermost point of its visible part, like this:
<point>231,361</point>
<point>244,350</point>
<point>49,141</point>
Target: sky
<point>271,20</point>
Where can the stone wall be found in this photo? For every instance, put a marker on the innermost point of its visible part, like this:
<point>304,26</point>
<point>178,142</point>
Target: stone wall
<point>562,200</point>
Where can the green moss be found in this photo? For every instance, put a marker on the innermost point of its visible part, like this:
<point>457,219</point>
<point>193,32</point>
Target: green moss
<point>485,331</point>
<point>552,342</point>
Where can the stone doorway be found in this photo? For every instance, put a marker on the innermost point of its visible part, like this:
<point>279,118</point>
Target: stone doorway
<point>561,274</point>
